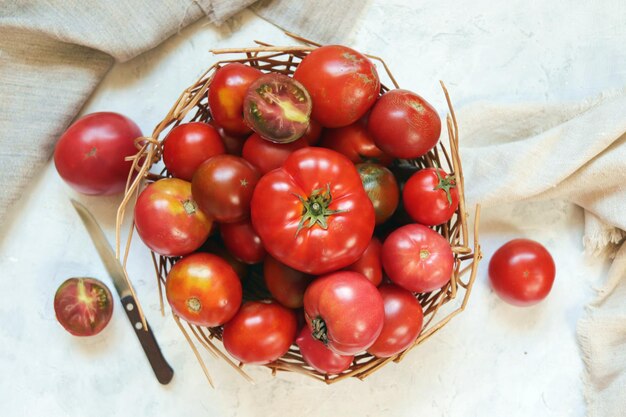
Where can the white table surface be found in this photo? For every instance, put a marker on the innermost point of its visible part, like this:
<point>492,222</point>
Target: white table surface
<point>492,360</point>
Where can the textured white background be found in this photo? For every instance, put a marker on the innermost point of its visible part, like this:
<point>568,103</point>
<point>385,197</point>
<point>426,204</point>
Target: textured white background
<point>492,360</point>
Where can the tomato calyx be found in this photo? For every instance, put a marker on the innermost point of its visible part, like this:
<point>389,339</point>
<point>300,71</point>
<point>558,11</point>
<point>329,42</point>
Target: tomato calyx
<point>445,184</point>
<point>193,304</point>
<point>190,206</point>
<point>319,330</point>
<point>315,209</point>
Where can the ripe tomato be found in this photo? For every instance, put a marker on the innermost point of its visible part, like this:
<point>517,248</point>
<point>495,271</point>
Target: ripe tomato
<point>188,145</point>
<point>417,258</point>
<point>312,213</point>
<point>404,125</point>
<point>226,94</point>
<point>369,263</point>
<point>403,322</point>
<point>223,187</point>
<point>266,155</point>
<point>233,144</point>
<point>355,142</point>
<point>260,333</point>
<point>430,196</point>
<point>381,188</point>
<point>342,82</point>
<point>168,220</point>
<point>203,289</point>
<point>90,155</point>
<point>211,246</point>
<point>83,306</point>
<point>345,311</point>
<point>319,356</point>
<point>522,272</point>
<point>242,241</point>
<point>312,134</point>
<point>285,284</point>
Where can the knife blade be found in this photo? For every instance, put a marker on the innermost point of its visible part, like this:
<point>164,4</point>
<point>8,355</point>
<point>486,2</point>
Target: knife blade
<point>162,370</point>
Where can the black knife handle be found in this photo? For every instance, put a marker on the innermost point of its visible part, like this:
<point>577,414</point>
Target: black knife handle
<point>163,371</point>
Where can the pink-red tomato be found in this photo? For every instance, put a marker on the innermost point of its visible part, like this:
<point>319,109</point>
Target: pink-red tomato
<point>242,241</point>
<point>286,284</point>
<point>381,188</point>
<point>203,289</point>
<point>522,272</point>
<point>260,333</point>
<point>404,125</point>
<point>188,145</point>
<point>226,94</point>
<point>319,356</point>
<point>345,311</point>
<point>168,219</point>
<point>342,82</point>
<point>90,155</point>
<point>430,196</point>
<point>369,264</point>
<point>83,306</point>
<point>355,142</point>
<point>417,258</point>
<point>266,155</point>
<point>403,322</point>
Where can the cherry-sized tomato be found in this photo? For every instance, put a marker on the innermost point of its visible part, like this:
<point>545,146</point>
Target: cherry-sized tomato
<point>242,241</point>
<point>430,196</point>
<point>381,188</point>
<point>83,306</point>
<point>355,142</point>
<point>266,155</point>
<point>369,264</point>
<point>285,284</point>
<point>319,356</point>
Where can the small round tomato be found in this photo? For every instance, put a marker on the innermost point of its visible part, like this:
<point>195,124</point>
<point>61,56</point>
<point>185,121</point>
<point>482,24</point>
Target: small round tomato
<point>342,82</point>
<point>266,155</point>
<point>260,333</point>
<point>168,220</point>
<point>188,145</point>
<point>522,272</point>
<point>404,125</point>
<point>223,187</point>
<point>313,133</point>
<point>226,94</point>
<point>369,263</point>
<point>403,322</point>
<point>83,306</point>
<point>319,356</point>
<point>242,241</point>
<point>355,142</point>
<point>430,196</point>
<point>203,289</point>
<point>278,108</point>
<point>381,188</point>
<point>344,311</point>
<point>90,155</point>
<point>286,284</point>
<point>417,258</point>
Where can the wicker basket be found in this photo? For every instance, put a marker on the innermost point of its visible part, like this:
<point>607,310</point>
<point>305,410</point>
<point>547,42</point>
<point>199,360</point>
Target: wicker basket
<point>192,106</point>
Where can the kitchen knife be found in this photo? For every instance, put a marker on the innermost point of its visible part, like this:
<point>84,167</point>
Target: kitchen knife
<point>163,371</point>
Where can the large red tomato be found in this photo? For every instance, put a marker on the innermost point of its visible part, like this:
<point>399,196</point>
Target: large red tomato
<point>355,142</point>
<point>417,258</point>
<point>342,82</point>
<point>203,289</point>
<point>430,196</point>
<point>369,263</point>
<point>345,311</point>
<point>285,284</point>
<point>260,333</point>
<point>522,272</point>
<point>90,155</point>
<point>312,213</point>
<point>319,356</point>
<point>266,155</point>
<point>403,322</point>
<point>381,188</point>
<point>404,125</point>
<point>168,219</point>
<point>188,145</point>
<point>226,94</point>
<point>242,241</point>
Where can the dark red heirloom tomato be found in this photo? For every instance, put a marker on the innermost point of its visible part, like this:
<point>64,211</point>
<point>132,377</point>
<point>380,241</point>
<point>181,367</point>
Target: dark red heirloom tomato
<point>344,311</point>
<point>312,213</point>
<point>319,356</point>
<point>430,196</point>
<point>242,241</point>
<point>417,258</point>
<point>223,187</point>
<point>266,155</point>
<point>83,306</point>
<point>381,188</point>
<point>369,264</point>
<point>168,219</point>
<point>203,289</point>
<point>226,94</point>
<point>404,125</point>
<point>90,155</point>
<point>285,284</point>
<point>403,322</point>
<point>342,82</point>
<point>355,142</point>
<point>522,272</point>
<point>260,333</point>
<point>188,145</point>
